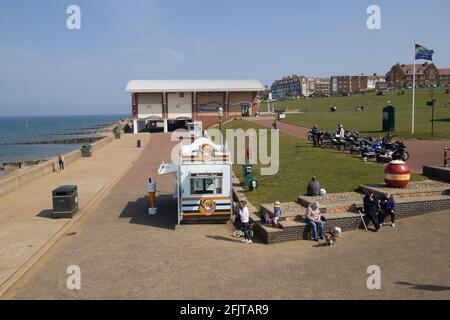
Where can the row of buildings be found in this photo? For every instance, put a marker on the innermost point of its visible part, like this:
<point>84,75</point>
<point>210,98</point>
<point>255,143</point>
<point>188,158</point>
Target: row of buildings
<point>427,74</point>
<point>400,76</point>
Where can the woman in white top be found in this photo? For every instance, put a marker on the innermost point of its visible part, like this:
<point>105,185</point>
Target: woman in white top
<point>245,219</point>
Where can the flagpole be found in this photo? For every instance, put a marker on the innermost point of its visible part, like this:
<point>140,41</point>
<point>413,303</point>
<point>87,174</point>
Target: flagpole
<point>414,90</point>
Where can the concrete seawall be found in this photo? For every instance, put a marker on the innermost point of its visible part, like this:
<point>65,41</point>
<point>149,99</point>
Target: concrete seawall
<point>15,180</point>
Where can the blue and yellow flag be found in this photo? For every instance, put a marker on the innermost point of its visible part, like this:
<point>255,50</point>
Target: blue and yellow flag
<point>424,53</point>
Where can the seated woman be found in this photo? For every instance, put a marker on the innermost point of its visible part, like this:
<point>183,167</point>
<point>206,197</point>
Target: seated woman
<point>314,219</point>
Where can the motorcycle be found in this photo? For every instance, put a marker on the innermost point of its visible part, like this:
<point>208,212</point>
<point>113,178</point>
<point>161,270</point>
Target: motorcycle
<point>371,149</point>
<point>390,152</point>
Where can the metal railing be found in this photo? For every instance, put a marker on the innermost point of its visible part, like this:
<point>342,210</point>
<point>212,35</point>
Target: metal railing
<point>446,157</point>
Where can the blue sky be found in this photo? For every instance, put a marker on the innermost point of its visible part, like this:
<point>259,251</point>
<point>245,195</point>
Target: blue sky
<point>47,69</point>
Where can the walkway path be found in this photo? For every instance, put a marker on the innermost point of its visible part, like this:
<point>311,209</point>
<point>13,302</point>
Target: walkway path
<point>26,228</point>
<point>123,253</point>
<point>422,152</point>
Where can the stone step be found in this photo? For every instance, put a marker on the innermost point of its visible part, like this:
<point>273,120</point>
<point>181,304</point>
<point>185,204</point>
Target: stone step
<point>334,202</point>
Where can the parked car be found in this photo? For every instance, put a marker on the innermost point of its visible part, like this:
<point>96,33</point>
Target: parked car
<point>380,93</point>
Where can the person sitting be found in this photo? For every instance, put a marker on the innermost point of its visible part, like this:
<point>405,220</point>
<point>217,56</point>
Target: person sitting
<point>313,218</point>
<point>313,189</point>
<point>276,214</point>
<point>371,206</point>
<point>387,139</point>
<point>388,205</point>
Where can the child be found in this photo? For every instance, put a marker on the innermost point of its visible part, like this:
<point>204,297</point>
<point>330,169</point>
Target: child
<point>276,214</point>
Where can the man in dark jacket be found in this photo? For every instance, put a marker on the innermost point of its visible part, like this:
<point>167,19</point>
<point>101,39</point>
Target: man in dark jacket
<point>315,136</point>
<point>371,206</point>
<point>313,189</point>
<point>389,206</point>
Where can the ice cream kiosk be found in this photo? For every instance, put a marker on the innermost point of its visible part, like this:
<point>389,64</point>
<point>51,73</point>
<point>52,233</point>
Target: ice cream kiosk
<point>204,187</point>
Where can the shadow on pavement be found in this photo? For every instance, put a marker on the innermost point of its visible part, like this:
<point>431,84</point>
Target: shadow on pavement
<point>48,214</point>
<point>137,212</point>
<point>426,287</point>
<point>221,238</point>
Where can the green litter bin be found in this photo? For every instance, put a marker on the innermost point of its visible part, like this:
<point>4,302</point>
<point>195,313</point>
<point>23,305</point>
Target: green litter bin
<point>86,151</point>
<point>65,201</point>
<point>389,118</point>
<point>117,135</point>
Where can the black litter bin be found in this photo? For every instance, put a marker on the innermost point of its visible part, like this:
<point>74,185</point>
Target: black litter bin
<point>139,143</point>
<point>86,151</point>
<point>65,202</point>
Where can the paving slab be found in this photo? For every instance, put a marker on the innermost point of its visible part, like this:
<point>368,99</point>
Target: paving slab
<point>124,253</point>
<point>25,223</point>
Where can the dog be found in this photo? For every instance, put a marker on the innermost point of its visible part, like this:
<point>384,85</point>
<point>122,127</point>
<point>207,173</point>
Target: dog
<point>332,236</point>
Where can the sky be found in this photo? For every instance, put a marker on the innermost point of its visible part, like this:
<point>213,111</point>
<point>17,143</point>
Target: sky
<point>47,69</point>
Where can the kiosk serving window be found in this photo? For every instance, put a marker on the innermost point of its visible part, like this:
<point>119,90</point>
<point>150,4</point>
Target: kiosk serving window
<point>206,183</point>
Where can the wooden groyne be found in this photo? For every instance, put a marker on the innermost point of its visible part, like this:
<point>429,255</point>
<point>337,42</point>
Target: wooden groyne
<point>59,141</point>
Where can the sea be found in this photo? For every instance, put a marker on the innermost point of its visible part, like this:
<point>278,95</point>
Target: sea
<point>43,128</point>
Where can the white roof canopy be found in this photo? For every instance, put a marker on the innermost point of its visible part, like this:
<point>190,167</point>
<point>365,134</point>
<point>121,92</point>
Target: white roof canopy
<point>193,86</point>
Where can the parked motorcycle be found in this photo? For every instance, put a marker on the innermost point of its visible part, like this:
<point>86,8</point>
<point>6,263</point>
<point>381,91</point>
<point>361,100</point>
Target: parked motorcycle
<point>395,151</point>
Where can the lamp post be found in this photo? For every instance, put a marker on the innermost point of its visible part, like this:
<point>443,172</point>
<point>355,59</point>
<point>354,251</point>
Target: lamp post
<point>220,114</point>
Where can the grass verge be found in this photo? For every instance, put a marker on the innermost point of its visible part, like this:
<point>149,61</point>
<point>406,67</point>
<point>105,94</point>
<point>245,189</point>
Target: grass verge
<point>337,171</point>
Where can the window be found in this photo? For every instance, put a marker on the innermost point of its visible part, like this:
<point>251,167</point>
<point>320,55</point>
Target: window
<point>206,183</point>
<point>181,94</point>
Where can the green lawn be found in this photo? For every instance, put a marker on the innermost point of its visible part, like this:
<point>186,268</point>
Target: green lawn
<point>369,122</point>
<point>337,171</point>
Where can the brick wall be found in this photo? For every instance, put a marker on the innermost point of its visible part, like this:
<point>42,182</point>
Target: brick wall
<point>300,231</point>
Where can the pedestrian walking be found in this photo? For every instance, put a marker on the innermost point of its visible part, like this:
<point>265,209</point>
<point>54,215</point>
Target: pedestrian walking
<point>61,161</point>
<point>274,125</point>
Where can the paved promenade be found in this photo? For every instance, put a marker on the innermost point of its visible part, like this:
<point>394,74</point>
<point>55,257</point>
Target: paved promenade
<point>26,228</point>
<point>125,254</point>
<point>422,152</point>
